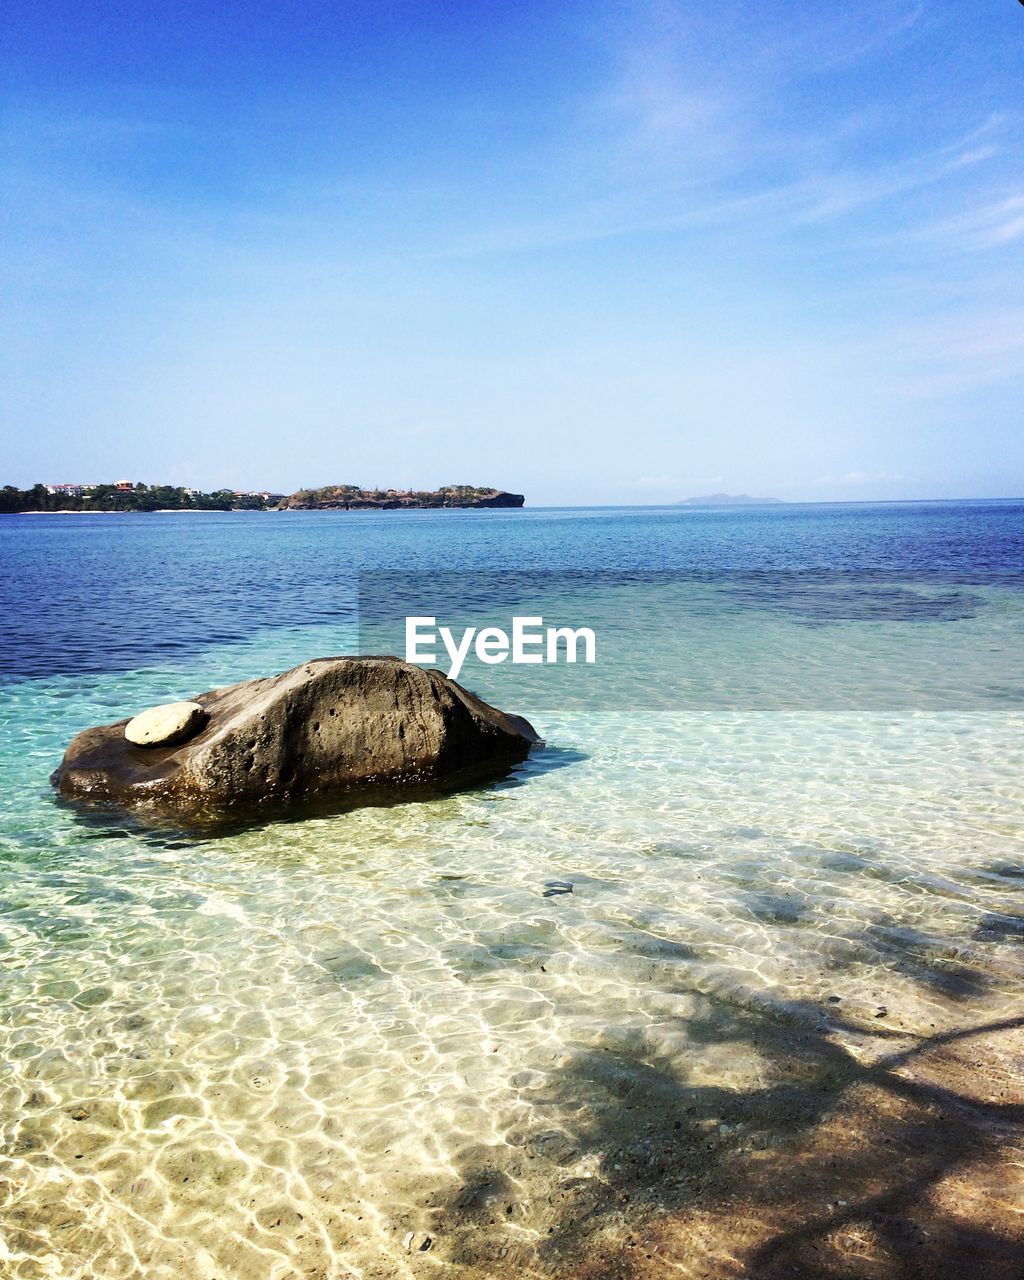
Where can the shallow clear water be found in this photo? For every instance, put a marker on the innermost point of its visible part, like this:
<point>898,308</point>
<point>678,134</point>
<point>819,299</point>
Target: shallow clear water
<point>792,787</point>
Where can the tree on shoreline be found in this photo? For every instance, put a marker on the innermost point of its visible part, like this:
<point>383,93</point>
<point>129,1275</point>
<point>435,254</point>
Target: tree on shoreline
<point>141,497</point>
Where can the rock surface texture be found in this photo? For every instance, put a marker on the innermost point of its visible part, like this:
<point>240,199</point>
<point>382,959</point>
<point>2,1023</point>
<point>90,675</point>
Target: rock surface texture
<point>353,730</point>
<point>167,725</point>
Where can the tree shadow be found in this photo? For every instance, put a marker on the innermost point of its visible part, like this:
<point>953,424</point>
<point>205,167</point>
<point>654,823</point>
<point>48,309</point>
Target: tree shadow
<point>845,1155</point>
<point>926,960</point>
<point>895,1220</point>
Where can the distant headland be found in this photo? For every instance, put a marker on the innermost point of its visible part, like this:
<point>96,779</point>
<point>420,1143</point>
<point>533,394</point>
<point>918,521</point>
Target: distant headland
<point>123,495</point>
<point>729,500</point>
<point>347,497</point>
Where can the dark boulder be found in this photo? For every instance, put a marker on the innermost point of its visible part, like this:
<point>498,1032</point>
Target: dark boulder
<point>333,730</point>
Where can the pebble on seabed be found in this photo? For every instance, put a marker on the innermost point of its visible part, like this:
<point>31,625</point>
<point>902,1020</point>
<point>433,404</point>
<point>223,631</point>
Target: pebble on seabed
<point>417,1242</point>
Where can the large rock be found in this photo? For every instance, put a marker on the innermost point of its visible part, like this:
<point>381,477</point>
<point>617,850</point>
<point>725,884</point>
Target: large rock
<point>332,730</point>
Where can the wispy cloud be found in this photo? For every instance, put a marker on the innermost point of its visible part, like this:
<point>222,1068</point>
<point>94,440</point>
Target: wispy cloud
<point>844,190</point>
<point>951,353</point>
<point>990,226</point>
<point>828,193</point>
<point>896,24</point>
<point>688,137</point>
<point>859,478</point>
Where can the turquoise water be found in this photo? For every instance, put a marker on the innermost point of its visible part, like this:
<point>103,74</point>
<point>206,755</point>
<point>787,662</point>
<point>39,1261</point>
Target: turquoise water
<point>791,788</point>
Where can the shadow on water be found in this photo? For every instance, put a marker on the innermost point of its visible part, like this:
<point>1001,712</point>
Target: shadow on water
<point>541,760</point>
<point>101,822</point>
<point>847,1155</point>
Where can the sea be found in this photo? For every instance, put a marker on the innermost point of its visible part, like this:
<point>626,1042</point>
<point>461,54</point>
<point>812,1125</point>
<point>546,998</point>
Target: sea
<point>446,1037</point>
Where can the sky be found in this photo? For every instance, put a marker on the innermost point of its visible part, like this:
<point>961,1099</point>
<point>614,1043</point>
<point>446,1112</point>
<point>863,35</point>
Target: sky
<point>588,251</point>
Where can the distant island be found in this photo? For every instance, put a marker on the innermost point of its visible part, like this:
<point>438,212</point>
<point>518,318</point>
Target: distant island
<point>123,495</point>
<point>347,497</point>
<point>728,500</point>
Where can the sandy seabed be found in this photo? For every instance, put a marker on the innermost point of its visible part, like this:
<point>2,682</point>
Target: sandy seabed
<point>853,1150</point>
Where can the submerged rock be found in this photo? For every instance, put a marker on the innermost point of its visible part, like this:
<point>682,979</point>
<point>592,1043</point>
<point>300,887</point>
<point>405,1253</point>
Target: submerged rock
<point>166,725</point>
<point>358,730</point>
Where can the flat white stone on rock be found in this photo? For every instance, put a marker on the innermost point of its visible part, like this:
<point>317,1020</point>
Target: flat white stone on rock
<point>166,725</point>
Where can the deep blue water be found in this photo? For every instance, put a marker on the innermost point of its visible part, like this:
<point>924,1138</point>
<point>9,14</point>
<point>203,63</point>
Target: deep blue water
<point>110,592</point>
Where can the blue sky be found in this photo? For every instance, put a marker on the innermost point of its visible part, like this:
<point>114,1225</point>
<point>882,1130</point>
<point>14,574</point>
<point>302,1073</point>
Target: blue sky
<point>589,251</point>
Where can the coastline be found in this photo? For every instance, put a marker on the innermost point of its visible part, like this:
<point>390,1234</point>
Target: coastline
<point>123,498</point>
<point>260,511</point>
<point>157,511</point>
